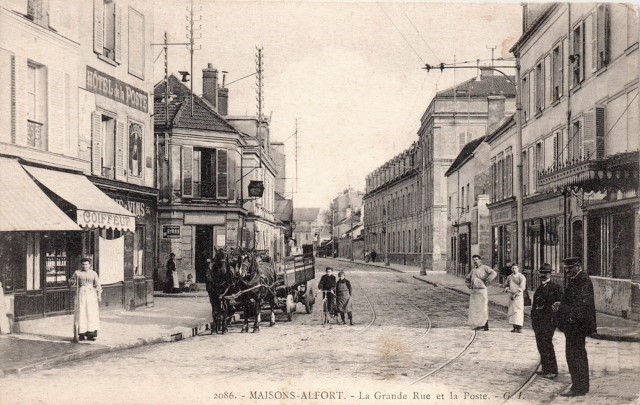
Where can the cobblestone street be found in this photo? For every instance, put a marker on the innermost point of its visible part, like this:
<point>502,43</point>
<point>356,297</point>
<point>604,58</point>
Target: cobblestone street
<point>410,344</point>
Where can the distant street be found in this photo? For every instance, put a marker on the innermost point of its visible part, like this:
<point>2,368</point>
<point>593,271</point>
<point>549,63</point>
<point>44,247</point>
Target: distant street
<point>410,342</point>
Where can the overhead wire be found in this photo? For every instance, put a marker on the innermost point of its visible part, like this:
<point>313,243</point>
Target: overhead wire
<point>420,34</point>
<point>401,34</point>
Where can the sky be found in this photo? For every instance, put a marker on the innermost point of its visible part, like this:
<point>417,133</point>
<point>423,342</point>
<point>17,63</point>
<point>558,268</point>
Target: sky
<point>349,73</point>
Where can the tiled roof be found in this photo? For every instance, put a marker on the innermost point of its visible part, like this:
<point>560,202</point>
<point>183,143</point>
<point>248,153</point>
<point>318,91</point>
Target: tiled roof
<point>466,151</point>
<point>505,124</point>
<point>486,86</point>
<point>305,214</point>
<point>204,117</point>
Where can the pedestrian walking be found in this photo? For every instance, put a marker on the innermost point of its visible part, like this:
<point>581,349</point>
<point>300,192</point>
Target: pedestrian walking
<point>89,294</point>
<point>477,280</point>
<point>328,283</point>
<point>173,283</point>
<point>543,321</point>
<point>577,319</point>
<point>373,255</point>
<point>343,298</point>
<point>515,285</point>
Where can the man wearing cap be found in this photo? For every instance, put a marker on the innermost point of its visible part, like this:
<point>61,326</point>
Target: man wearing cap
<point>577,319</point>
<point>543,321</point>
<point>477,280</point>
<point>328,283</point>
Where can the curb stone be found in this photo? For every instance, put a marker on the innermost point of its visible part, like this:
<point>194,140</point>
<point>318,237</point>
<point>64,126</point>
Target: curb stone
<point>597,336</point>
<point>177,335</point>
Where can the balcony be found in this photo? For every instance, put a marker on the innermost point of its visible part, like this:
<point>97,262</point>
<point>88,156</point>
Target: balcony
<point>617,172</point>
<point>35,134</point>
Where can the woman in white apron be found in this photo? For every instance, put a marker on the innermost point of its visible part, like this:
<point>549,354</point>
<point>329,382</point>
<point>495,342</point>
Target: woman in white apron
<point>87,316</point>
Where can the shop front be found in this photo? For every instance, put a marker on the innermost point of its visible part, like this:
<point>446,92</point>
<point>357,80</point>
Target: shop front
<point>503,233</point>
<point>192,236</point>
<point>139,251</point>
<point>50,220</point>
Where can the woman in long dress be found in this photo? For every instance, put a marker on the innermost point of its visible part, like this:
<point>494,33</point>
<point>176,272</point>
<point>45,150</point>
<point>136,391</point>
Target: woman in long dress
<point>515,285</point>
<point>89,294</point>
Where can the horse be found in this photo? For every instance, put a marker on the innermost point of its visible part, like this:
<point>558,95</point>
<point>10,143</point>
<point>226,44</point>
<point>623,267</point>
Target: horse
<point>219,281</point>
<point>257,282</point>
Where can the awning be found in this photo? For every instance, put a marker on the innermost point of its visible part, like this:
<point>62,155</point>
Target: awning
<point>95,209</point>
<point>24,207</point>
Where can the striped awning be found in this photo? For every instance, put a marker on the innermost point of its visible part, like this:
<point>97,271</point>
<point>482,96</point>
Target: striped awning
<point>24,206</point>
<point>94,209</point>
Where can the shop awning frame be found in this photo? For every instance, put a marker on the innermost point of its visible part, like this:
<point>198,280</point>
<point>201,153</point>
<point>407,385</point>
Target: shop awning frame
<point>24,207</point>
<point>94,209</point>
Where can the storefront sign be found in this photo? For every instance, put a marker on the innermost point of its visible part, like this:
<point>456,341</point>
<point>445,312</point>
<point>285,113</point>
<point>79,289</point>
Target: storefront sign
<point>93,219</point>
<point>221,240</point>
<point>204,219</point>
<point>108,86</point>
<point>137,208</point>
<point>501,215</point>
<point>171,231</point>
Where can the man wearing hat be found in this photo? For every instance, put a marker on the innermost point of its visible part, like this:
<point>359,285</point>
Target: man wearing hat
<point>577,319</point>
<point>543,321</point>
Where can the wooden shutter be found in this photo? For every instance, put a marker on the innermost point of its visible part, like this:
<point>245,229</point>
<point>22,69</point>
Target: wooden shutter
<point>222,172</point>
<point>589,139</point>
<point>120,130</point>
<point>594,40</point>
<point>96,143</point>
<point>118,34</point>
<point>232,176</point>
<point>98,26</point>
<point>187,171</point>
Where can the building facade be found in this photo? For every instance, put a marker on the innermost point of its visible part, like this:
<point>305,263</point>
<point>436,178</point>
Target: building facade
<point>580,143</point>
<point>76,124</point>
<point>454,117</point>
<point>391,220</point>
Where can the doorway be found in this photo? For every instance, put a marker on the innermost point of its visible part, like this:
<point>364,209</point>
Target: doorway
<point>203,251</point>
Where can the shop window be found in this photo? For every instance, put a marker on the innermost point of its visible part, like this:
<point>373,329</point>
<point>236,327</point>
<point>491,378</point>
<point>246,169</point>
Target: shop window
<point>33,261</point>
<point>56,259</point>
<point>12,260</point>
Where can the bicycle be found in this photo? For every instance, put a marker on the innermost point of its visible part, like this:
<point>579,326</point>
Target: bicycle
<point>326,313</point>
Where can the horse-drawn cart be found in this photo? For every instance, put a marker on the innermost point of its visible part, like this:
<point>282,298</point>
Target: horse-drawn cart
<point>293,283</point>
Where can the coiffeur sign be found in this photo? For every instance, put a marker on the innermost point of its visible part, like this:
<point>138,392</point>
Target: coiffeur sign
<point>94,219</point>
<point>108,86</point>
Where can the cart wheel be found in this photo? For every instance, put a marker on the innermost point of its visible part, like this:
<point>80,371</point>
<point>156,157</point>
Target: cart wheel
<point>309,299</point>
<point>289,307</point>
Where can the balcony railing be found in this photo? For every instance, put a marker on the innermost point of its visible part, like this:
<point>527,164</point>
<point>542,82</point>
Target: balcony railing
<point>35,134</point>
<point>616,172</point>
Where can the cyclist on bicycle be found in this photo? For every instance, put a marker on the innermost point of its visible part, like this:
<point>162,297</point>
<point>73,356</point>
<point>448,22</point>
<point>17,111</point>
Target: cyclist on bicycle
<point>328,283</point>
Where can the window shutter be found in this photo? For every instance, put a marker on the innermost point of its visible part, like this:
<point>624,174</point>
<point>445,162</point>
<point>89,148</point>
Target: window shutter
<point>120,150</point>
<point>98,26</point>
<point>96,143</point>
<point>187,171</point>
<point>232,176</point>
<point>555,150</point>
<point>600,115</point>
<point>594,40</point>
<point>606,28</point>
<point>222,174</point>
<point>589,139</point>
<point>118,39</point>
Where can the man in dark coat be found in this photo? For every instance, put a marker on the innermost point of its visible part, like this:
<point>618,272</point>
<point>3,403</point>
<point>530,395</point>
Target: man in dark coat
<point>328,283</point>
<point>577,319</point>
<point>373,255</point>
<point>543,321</point>
<point>171,268</point>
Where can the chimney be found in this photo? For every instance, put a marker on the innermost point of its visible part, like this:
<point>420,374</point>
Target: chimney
<point>495,111</point>
<point>486,73</point>
<point>223,101</point>
<point>210,85</point>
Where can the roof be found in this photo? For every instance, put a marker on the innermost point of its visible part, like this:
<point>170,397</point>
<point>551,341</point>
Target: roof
<point>533,27</point>
<point>466,151</point>
<point>179,111</point>
<point>284,209</point>
<point>504,125</point>
<point>484,87</point>
<point>305,214</point>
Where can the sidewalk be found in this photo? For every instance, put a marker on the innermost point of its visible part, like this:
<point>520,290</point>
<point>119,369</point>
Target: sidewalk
<point>47,342</point>
<point>609,327</point>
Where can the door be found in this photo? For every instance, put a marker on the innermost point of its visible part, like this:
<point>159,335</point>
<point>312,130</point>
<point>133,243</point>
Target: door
<point>463,257</point>
<point>204,251</point>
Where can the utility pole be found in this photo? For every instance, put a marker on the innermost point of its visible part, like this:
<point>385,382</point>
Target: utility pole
<point>492,49</point>
<point>351,233</point>
<point>191,38</point>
